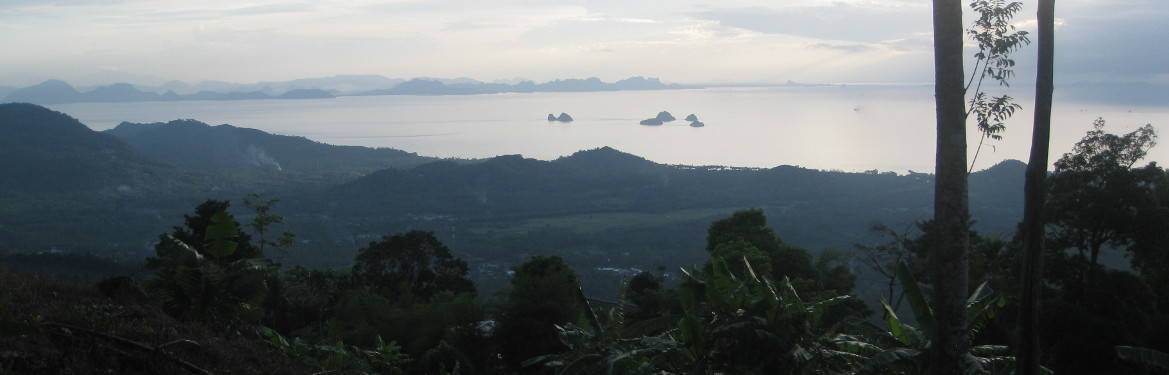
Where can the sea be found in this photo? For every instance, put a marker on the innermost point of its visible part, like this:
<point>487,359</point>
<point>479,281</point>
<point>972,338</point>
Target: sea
<point>837,127</point>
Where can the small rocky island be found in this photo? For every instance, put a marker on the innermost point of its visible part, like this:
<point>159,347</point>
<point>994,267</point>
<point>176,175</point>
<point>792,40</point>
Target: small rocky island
<point>662,117</point>
<point>564,117</point>
<point>694,121</point>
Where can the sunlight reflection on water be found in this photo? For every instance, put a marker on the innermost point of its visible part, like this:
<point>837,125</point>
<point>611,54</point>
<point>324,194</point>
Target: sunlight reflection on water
<point>848,128</point>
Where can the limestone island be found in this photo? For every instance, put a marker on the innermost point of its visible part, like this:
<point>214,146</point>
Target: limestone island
<point>697,124</point>
<point>691,118</point>
<point>661,118</point>
<point>564,117</point>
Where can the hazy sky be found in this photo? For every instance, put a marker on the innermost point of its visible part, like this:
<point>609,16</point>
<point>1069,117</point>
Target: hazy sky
<point>96,41</point>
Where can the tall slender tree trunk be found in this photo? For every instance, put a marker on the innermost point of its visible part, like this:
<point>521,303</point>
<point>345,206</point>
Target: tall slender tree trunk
<point>1034,197</point>
<point>948,255</point>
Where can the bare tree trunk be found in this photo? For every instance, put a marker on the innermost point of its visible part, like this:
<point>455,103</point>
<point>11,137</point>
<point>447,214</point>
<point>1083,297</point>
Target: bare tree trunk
<point>948,255</point>
<point>1034,196</point>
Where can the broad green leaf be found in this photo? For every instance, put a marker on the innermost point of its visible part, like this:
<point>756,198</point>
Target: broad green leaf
<point>917,300</point>
<point>895,327</point>
<point>221,235</point>
<point>1145,357</point>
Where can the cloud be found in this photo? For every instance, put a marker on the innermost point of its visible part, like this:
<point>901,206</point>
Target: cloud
<point>1104,40</point>
<point>260,10</point>
<point>851,48</point>
<point>836,21</point>
<point>597,29</point>
<point>472,25</point>
<point>915,42</point>
<point>679,40</point>
<point>16,4</point>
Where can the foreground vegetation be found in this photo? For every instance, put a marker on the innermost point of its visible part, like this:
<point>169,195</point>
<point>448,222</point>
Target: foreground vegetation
<point>212,300</point>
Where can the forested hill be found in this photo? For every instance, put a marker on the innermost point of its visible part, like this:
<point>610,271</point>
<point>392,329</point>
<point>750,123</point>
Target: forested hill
<point>116,188</point>
<point>602,180</point>
<point>44,151</point>
<point>226,148</point>
<point>606,208</point>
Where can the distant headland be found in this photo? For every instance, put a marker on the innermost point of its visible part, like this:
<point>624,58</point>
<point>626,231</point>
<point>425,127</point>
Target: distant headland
<point>60,92</point>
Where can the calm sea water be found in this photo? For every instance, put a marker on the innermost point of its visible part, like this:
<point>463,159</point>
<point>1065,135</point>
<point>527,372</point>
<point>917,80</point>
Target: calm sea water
<point>849,128</point>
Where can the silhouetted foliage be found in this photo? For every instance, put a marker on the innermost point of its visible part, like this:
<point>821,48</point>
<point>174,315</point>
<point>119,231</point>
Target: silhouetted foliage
<point>410,265</point>
<point>1098,201</point>
<point>544,293</point>
<point>1096,195</point>
<point>208,270</point>
<point>746,236</point>
<point>646,294</point>
<point>997,38</point>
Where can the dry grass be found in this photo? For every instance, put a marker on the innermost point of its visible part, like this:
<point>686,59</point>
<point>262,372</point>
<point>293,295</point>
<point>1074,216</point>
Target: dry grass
<point>32,340</point>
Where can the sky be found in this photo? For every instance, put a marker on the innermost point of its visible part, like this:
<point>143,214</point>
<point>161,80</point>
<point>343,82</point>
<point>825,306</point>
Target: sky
<point>680,41</point>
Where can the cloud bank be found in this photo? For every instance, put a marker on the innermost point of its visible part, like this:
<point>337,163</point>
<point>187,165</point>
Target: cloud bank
<point>92,41</point>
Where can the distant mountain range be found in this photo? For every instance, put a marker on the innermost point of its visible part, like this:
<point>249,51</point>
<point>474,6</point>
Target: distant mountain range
<point>60,92</point>
<point>340,84</point>
<point>426,86</point>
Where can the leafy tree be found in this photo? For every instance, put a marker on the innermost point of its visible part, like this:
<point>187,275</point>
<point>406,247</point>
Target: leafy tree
<point>312,296</point>
<point>1100,151</point>
<point>1150,243</point>
<point>1098,200</point>
<point>747,225</point>
<point>209,270</point>
<point>410,265</point>
<point>738,248</point>
<point>997,38</point>
<point>1095,194</point>
<point>264,219</point>
<point>544,293</point>
<point>1081,326</point>
<point>447,319</point>
<point>194,233</point>
<point>746,233</point>
<point>645,292</point>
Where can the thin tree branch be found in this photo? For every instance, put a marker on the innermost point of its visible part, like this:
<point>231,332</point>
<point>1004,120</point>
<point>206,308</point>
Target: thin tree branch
<point>975,158</point>
<point>973,72</point>
<point>137,345</point>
